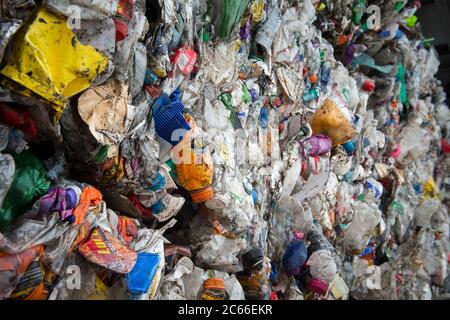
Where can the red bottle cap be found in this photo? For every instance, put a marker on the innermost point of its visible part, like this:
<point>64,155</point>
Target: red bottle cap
<point>121,29</point>
<point>445,146</point>
<point>298,235</point>
<point>368,86</point>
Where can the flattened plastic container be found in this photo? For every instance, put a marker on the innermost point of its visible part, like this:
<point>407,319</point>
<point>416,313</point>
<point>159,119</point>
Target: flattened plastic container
<point>50,61</point>
<point>141,277</point>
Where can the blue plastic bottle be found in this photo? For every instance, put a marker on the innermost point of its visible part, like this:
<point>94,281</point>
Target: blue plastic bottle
<point>296,255</point>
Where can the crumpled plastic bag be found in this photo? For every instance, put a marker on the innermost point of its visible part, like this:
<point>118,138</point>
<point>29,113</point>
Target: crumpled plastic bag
<point>220,253</point>
<point>30,182</point>
<point>7,168</point>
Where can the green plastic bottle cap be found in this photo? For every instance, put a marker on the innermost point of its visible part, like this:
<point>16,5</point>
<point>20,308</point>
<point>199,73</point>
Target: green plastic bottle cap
<point>411,21</point>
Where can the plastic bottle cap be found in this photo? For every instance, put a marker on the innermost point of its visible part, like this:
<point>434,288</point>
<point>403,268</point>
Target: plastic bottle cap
<point>349,147</point>
<point>214,283</point>
<point>121,29</point>
<point>342,40</point>
<point>313,78</point>
<point>396,152</point>
<point>299,235</point>
<point>202,195</point>
<point>368,86</point>
<point>445,146</point>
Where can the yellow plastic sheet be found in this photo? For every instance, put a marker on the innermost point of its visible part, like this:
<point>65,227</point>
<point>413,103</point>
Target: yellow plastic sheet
<point>49,60</point>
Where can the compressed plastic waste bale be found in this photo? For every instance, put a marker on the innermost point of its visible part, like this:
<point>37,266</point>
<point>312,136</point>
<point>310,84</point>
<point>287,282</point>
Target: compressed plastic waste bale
<point>246,122</point>
<point>49,60</point>
<point>30,182</point>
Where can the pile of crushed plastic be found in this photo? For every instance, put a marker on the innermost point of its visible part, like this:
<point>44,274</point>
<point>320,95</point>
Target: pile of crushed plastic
<point>221,149</point>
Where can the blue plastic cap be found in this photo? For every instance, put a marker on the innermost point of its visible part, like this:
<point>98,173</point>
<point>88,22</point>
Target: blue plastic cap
<point>349,147</point>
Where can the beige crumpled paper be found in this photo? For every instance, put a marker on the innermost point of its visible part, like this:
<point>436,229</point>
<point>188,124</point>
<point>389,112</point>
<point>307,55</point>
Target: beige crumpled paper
<point>106,111</point>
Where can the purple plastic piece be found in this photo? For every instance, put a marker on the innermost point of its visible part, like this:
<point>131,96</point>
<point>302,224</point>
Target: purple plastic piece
<point>316,145</point>
<point>59,199</point>
<point>245,30</point>
<point>349,54</point>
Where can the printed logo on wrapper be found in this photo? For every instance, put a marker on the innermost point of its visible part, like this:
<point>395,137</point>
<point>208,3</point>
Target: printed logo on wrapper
<point>185,59</point>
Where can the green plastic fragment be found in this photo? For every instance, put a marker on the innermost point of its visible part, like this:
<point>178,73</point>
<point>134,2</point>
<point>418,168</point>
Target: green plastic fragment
<point>29,184</point>
<point>233,11</point>
<point>400,76</point>
<point>246,94</point>
<point>358,12</point>
<point>399,5</point>
<point>411,21</point>
<point>101,154</point>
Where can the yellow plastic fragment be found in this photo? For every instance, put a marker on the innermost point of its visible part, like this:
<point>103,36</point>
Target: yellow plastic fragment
<point>49,60</point>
